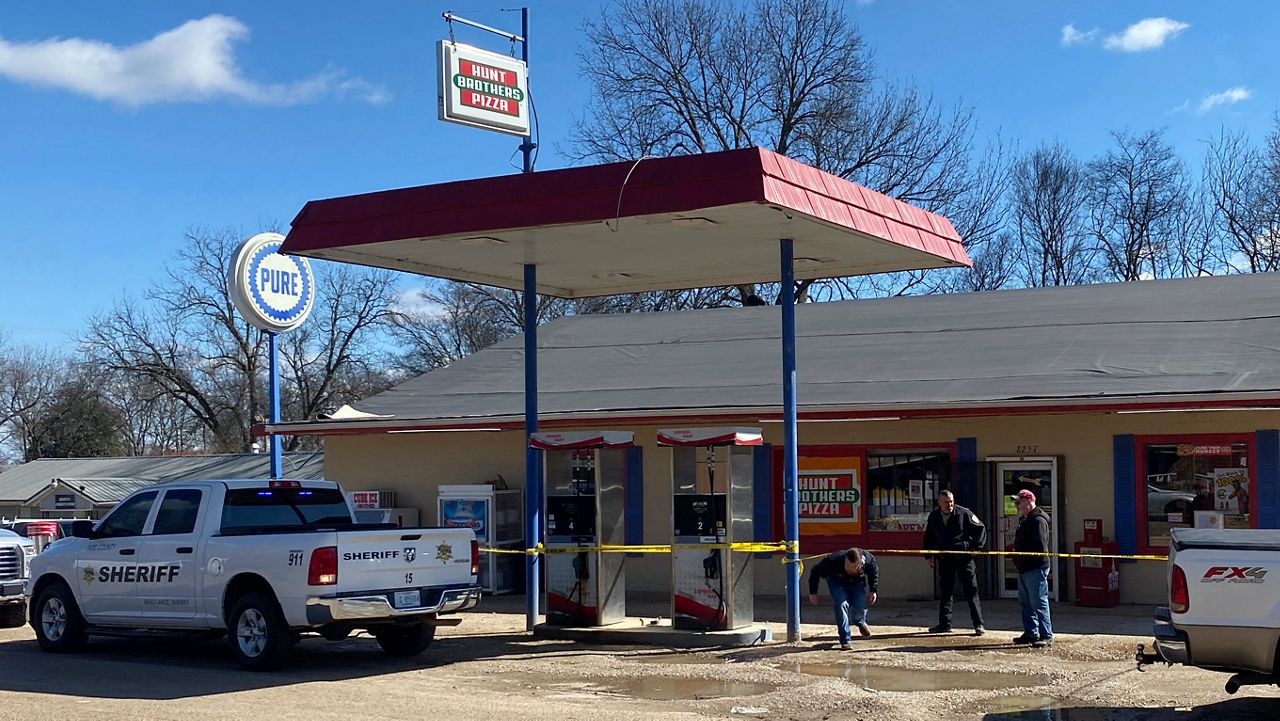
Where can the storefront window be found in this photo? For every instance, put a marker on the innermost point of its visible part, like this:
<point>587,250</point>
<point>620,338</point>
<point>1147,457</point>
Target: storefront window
<point>1202,485</point>
<point>902,487</point>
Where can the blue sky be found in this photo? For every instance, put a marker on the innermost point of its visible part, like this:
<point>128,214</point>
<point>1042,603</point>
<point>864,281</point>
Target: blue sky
<point>106,159</point>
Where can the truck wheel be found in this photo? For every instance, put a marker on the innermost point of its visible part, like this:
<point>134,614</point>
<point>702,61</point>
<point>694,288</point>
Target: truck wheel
<point>405,640</point>
<point>57,621</point>
<point>13,615</point>
<point>257,631</point>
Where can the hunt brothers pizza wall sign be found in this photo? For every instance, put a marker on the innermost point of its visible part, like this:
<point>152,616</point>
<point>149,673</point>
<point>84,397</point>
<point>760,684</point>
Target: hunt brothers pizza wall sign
<point>482,89</point>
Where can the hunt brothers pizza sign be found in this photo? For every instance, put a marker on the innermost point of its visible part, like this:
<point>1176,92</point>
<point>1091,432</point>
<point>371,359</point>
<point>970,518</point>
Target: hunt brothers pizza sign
<point>482,89</point>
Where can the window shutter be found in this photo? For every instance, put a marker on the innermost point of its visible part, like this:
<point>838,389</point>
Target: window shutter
<point>1267,449</point>
<point>634,533</point>
<point>1122,457</point>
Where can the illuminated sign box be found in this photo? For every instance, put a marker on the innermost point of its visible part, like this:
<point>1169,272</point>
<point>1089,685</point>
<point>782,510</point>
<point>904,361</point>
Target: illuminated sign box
<point>482,89</point>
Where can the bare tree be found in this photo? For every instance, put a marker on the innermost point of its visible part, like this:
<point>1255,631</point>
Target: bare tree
<point>190,345</point>
<point>1050,191</point>
<point>334,357</point>
<point>1242,181</point>
<point>29,378</point>
<point>688,76</point>
<point>1138,190</point>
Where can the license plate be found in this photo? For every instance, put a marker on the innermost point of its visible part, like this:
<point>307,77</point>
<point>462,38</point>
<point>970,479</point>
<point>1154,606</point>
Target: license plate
<point>408,599</point>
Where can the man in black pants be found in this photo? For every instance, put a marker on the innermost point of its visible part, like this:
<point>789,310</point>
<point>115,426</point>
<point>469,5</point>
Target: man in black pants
<point>955,528</point>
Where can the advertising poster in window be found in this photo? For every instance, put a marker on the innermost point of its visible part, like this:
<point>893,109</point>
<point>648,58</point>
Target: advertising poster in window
<point>465,513</point>
<point>830,496</point>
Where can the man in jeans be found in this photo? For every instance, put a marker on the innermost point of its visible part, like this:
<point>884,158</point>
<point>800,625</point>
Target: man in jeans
<point>1032,536</point>
<point>853,580</point>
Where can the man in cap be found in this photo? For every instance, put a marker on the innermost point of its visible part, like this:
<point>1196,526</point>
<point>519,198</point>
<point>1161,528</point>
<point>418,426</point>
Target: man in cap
<point>1032,536</point>
<point>955,528</point>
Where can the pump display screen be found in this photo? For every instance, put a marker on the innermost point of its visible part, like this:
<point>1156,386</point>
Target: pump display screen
<point>571,518</point>
<point>699,514</point>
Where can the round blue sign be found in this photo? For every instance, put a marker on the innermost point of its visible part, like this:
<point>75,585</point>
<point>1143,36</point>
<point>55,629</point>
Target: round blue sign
<point>273,291</point>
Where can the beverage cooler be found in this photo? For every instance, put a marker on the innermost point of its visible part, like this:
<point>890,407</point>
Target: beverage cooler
<point>496,517</point>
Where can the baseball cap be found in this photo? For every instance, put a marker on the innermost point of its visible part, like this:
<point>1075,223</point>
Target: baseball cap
<point>1024,495</point>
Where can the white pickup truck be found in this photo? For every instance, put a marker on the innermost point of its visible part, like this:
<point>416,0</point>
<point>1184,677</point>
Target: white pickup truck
<point>15,561</point>
<point>1224,605</point>
<point>261,561</point>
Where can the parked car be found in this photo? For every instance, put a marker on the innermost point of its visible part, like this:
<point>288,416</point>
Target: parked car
<point>1222,613</point>
<point>1163,501</point>
<point>261,561</point>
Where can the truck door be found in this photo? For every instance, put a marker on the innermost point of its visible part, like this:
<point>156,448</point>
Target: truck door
<point>168,559</point>
<point>106,571</point>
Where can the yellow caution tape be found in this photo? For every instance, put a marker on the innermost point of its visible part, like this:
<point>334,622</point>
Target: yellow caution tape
<point>794,548</point>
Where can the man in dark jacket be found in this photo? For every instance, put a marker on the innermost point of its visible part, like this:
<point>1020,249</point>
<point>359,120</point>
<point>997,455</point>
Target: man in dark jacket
<point>1032,536</point>
<point>854,580</point>
<point>955,528</point>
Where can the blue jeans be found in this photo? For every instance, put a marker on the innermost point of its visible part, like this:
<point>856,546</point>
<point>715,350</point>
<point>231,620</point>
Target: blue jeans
<point>851,605</point>
<point>1033,597</point>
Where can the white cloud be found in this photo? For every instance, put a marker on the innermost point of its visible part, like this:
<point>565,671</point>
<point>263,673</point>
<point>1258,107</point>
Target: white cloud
<point>194,62</point>
<point>1072,36</point>
<point>1144,35</point>
<point>415,302</point>
<point>1226,97</point>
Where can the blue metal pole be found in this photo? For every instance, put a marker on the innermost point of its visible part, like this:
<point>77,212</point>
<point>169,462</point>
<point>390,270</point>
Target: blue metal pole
<point>532,458</point>
<point>790,453</point>
<point>527,145</point>
<point>273,361</point>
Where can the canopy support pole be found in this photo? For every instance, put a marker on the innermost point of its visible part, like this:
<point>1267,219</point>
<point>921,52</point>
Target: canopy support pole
<point>532,457</point>
<point>790,455</point>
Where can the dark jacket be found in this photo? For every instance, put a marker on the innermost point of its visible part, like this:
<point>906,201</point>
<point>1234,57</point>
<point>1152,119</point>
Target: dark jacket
<point>833,567</point>
<point>1032,535</point>
<point>962,532</point>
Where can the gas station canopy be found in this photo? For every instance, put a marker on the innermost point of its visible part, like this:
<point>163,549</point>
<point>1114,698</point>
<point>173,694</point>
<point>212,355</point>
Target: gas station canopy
<point>658,223</point>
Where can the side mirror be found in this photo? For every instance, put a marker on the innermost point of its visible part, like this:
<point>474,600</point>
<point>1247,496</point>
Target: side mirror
<point>82,529</point>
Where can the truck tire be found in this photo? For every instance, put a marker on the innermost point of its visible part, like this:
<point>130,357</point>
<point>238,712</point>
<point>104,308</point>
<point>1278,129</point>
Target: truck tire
<point>56,618</point>
<point>408,640</point>
<point>258,634</point>
<point>13,615</point>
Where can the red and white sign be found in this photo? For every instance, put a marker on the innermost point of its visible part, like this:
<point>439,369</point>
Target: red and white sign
<point>364,499</point>
<point>710,437</point>
<point>574,440</point>
<point>482,89</point>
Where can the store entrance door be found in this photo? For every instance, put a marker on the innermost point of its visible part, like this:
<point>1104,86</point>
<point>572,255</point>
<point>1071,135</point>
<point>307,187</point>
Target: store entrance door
<point>1040,476</point>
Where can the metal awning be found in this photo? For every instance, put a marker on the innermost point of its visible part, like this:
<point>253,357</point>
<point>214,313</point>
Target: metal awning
<point>659,223</point>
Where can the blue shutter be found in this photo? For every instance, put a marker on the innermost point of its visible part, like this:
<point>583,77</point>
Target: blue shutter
<point>634,516</point>
<point>1122,457</point>
<point>762,492</point>
<point>966,469</point>
<point>1268,478</point>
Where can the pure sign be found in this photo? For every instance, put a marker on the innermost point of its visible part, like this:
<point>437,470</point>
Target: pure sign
<point>272,291</point>
<point>482,89</point>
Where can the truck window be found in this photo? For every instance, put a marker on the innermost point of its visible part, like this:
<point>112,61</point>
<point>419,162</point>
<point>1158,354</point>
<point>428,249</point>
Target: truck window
<point>251,509</point>
<point>177,512</point>
<point>128,518</point>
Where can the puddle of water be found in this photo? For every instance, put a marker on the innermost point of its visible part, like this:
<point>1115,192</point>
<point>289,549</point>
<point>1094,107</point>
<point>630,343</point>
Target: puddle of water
<point>651,688</point>
<point>884,678</point>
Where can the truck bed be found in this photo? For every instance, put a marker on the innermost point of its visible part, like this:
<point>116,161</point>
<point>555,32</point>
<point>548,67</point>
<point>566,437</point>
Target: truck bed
<point>1228,538</point>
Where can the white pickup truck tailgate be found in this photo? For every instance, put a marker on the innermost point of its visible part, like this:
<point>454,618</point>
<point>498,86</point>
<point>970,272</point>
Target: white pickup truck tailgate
<point>403,558</point>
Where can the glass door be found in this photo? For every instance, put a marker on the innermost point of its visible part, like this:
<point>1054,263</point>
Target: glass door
<point>1040,476</point>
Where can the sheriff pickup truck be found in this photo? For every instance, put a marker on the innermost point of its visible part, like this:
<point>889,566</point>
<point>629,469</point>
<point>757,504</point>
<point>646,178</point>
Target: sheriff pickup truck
<point>1224,606</point>
<point>260,561</point>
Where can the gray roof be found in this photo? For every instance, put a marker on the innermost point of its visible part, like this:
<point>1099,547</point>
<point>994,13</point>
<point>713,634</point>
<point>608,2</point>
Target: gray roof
<point>1217,335</point>
<point>21,482</point>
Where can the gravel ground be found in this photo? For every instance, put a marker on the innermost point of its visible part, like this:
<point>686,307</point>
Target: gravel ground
<point>488,668</point>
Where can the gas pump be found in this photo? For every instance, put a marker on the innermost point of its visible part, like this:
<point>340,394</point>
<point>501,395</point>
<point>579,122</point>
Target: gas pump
<point>712,470</point>
<point>584,476</point>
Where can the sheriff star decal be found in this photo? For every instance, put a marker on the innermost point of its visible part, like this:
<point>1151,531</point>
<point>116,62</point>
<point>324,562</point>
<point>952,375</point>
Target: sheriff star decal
<point>444,553</point>
<point>89,573</point>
